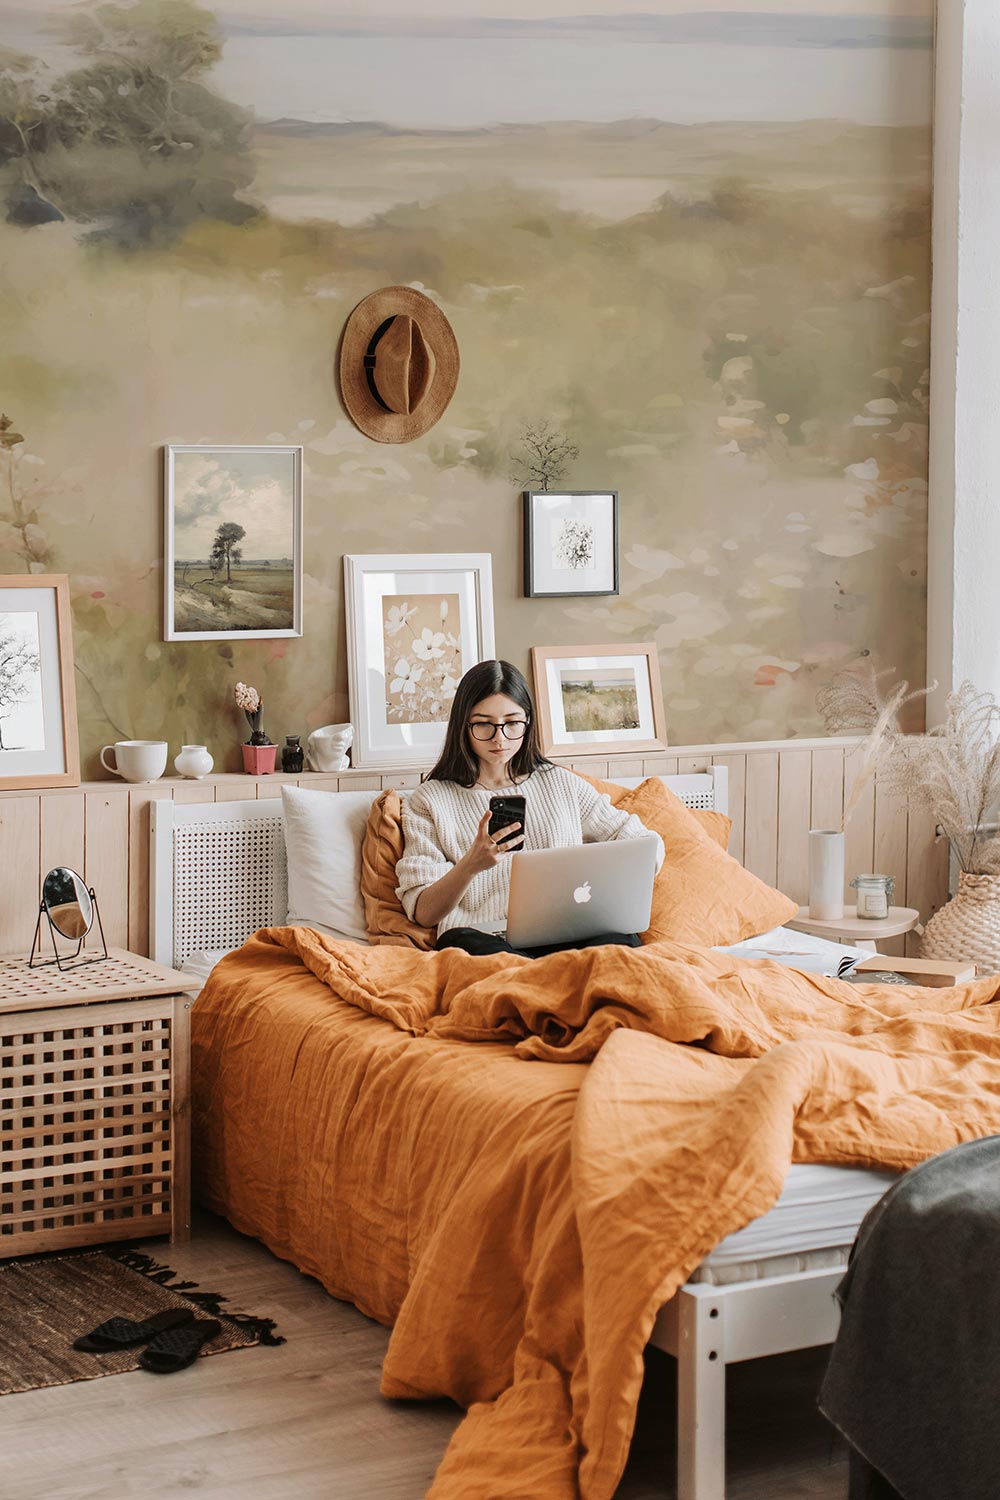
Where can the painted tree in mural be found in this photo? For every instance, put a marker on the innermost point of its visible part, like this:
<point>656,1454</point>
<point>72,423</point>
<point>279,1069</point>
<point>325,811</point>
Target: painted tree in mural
<point>18,666</point>
<point>224,549</point>
<point>131,143</point>
<point>543,457</point>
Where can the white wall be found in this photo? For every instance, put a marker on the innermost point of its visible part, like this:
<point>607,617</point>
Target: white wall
<point>964,518</point>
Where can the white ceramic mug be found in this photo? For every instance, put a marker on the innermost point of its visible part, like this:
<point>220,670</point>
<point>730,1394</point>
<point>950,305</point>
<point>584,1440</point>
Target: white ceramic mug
<point>136,760</point>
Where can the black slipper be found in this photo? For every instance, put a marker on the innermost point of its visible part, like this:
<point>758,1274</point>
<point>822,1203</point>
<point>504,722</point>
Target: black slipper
<point>179,1347</point>
<point>124,1333</point>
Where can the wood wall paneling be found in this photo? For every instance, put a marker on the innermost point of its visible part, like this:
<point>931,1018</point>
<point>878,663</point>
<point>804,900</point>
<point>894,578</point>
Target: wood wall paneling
<point>62,832</point>
<point>139,799</point>
<point>737,767</point>
<point>794,821</point>
<point>760,848</point>
<point>106,861</point>
<point>20,863</point>
<point>859,845</point>
<point>776,792</point>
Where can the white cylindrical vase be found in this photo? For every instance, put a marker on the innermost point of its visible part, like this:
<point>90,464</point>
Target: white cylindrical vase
<point>826,874</point>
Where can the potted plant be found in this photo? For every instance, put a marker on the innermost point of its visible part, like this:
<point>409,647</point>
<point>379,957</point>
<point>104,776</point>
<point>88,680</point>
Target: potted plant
<point>258,751</point>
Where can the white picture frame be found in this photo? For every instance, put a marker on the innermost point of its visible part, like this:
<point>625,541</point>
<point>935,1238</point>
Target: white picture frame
<point>255,488</point>
<point>39,742</point>
<point>416,623</point>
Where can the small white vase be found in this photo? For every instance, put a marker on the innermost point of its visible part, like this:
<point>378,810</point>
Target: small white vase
<point>194,762</point>
<point>826,874</point>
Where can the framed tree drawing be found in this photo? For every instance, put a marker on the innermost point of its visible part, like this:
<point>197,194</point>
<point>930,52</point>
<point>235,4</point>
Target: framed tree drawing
<point>415,624</point>
<point>39,745</point>
<point>595,699</point>
<point>232,542</point>
<point>570,543</point>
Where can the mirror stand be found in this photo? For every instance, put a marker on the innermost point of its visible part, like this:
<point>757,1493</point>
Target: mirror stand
<point>70,960</point>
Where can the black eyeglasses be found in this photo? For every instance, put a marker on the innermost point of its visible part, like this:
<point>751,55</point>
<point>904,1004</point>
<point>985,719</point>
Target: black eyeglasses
<point>512,729</point>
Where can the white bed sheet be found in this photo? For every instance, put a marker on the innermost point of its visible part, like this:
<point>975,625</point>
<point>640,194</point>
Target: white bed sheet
<point>820,1208</point>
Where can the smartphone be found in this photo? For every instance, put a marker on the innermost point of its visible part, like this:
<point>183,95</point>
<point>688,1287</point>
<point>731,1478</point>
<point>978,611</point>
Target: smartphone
<point>506,809</point>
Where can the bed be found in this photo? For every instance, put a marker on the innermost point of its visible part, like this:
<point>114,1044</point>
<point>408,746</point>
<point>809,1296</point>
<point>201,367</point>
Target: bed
<point>218,875</point>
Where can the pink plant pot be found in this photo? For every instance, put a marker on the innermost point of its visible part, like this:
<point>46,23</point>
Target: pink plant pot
<point>258,760</point>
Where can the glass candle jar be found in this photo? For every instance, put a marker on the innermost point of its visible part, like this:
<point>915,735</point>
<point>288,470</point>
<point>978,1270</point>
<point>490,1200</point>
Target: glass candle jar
<point>874,894</point>
<point>292,755</point>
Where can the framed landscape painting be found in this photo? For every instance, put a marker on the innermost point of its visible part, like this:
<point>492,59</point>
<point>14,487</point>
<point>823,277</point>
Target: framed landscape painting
<point>570,543</point>
<point>594,699</point>
<point>233,542</point>
<point>416,623</point>
<point>38,732</point>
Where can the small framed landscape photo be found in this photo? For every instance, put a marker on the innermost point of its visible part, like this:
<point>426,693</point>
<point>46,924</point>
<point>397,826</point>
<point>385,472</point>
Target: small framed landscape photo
<point>38,733</point>
<point>232,542</point>
<point>570,543</point>
<point>594,699</point>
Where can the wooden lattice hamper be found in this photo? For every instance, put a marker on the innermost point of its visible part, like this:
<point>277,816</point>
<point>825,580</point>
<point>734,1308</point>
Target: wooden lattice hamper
<point>94,1103</point>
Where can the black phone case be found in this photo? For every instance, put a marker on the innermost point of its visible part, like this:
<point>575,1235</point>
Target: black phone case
<point>505,810</point>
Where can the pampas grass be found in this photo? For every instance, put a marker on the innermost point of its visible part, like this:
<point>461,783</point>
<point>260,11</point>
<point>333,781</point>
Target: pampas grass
<point>953,770</point>
<point>852,703</point>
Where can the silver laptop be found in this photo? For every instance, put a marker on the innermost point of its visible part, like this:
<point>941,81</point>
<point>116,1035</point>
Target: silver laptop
<point>564,895</point>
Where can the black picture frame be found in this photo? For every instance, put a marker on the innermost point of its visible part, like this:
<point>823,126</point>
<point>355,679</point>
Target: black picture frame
<point>529,507</point>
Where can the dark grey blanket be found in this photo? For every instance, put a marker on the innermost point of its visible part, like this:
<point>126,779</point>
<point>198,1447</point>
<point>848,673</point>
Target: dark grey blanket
<point>914,1377</point>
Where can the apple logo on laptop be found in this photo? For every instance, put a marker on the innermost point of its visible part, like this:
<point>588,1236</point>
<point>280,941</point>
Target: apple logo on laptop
<point>582,893</point>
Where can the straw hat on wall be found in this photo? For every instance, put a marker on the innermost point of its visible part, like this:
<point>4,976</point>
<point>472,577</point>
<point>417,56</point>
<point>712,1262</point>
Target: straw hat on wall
<point>398,364</point>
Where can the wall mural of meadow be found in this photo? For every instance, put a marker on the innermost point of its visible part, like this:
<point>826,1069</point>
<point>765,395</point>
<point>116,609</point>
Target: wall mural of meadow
<point>692,246</point>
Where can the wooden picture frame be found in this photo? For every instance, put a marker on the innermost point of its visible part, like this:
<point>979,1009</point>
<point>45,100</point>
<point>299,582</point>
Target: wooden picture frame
<point>570,543</point>
<point>254,490</point>
<point>37,686</point>
<point>416,623</point>
<point>599,700</point>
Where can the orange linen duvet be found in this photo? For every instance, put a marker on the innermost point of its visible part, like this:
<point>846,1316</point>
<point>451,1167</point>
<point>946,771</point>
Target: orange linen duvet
<point>419,1131</point>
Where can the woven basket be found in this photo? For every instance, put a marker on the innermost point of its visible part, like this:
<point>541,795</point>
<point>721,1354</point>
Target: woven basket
<point>969,925</point>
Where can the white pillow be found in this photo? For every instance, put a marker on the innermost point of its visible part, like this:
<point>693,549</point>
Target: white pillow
<point>323,833</point>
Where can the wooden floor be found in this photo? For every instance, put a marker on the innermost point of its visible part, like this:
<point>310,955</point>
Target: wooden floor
<point>305,1421</point>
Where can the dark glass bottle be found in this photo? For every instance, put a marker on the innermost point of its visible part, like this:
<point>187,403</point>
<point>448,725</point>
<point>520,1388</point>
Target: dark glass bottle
<point>292,755</point>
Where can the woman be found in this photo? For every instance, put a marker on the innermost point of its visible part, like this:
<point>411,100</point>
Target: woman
<point>453,875</point>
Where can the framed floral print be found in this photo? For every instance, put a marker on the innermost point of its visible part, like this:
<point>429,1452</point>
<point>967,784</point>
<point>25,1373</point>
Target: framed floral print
<point>39,746</point>
<point>594,699</point>
<point>570,543</point>
<point>415,624</point>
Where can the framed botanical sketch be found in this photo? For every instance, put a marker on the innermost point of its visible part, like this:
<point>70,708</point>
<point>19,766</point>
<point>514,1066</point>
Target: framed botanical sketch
<point>39,745</point>
<point>232,542</point>
<point>593,699</point>
<point>570,543</point>
<point>415,624</point>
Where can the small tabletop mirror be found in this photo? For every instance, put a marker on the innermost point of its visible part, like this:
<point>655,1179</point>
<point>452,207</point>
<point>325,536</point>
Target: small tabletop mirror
<point>70,908</point>
<point>67,903</point>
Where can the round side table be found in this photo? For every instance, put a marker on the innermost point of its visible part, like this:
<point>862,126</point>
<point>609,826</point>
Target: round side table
<point>858,932</point>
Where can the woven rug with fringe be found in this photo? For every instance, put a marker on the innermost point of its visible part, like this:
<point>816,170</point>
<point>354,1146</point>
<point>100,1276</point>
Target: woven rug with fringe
<point>46,1301</point>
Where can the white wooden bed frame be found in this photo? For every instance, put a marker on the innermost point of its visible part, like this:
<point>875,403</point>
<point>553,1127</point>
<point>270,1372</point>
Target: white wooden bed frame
<point>218,873</point>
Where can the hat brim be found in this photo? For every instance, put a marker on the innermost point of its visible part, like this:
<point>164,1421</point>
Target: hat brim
<point>362,408</point>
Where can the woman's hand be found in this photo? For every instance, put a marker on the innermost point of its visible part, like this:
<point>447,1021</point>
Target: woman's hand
<point>488,851</point>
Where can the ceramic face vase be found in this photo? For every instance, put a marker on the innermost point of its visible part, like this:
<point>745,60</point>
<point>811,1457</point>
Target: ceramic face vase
<point>328,747</point>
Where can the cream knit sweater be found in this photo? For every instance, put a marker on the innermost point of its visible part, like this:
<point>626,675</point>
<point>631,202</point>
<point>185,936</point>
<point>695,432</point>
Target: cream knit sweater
<point>440,820</point>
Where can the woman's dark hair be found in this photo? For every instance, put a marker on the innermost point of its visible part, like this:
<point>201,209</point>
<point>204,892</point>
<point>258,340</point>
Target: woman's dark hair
<point>457,761</point>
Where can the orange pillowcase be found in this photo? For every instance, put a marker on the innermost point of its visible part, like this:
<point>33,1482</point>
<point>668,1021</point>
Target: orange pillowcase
<point>381,847</point>
<point>702,895</point>
<point>715,824</point>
